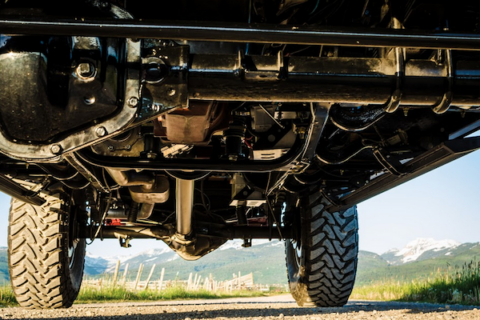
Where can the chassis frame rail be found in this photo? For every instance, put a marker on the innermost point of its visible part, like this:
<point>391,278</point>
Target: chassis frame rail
<point>15,190</point>
<point>254,33</point>
<point>432,159</point>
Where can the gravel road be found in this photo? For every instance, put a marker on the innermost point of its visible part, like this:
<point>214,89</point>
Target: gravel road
<point>278,307</point>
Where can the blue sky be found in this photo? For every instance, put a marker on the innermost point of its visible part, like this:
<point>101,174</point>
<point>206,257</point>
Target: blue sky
<point>442,204</point>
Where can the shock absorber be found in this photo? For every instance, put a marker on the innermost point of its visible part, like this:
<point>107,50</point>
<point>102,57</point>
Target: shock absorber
<point>184,206</point>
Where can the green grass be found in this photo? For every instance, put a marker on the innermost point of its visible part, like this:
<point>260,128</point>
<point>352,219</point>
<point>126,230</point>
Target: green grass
<point>89,294</point>
<point>7,298</point>
<point>460,284</point>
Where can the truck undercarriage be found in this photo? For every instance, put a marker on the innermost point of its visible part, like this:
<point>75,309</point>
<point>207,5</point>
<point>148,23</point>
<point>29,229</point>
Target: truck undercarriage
<point>268,119</point>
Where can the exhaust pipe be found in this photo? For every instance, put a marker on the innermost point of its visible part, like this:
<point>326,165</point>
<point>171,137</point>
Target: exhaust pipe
<point>184,205</point>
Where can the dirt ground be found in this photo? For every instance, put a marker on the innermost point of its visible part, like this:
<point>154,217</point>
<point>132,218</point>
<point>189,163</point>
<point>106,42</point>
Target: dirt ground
<point>278,307</point>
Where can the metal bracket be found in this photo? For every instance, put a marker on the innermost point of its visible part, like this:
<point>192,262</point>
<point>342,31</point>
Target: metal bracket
<point>84,171</point>
<point>394,101</point>
<point>171,90</point>
<point>443,106</point>
<point>387,163</point>
<point>320,117</point>
<point>124,241</point>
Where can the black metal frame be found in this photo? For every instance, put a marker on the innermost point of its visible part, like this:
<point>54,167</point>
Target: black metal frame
<point>159,232</point>
<point>243,33</point>
<point>15,190</point>
<point>196,165</point>
<point>430,160</point>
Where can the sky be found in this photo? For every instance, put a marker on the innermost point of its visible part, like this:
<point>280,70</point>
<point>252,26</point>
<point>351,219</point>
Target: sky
<point>442,204</point>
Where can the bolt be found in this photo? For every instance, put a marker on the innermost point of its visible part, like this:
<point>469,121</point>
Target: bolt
<point>101,131</point>
<point>132,102</point>
<point>89,101</point>
<point>111,148</point>
<point>151,155</point>
<point>171,92</point>
<point>86,71</point>
<point>56,148</point>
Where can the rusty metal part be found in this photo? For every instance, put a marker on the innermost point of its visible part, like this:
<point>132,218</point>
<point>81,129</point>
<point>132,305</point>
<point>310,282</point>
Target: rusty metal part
<point>131,178</point>
<point>194,125</point>
<point>144,213</point>
<point>145,188</point>
<point>128,144</point>
<point>158,192</point>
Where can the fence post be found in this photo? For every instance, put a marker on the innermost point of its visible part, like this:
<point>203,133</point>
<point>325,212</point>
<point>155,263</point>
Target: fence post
<point>206,284</point>
<point>198,282</point>
<point>139,274</point>
<point>161,279</point>
<point>189,283</point>
<point>149,276</point>
<point>115,274</point>
<point>124,278</point>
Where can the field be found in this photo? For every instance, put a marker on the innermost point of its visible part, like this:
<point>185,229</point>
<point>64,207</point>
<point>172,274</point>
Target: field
<point>458,284</point>
<point>452,285</point>
<point>113,288</point>
<point>89,294</point>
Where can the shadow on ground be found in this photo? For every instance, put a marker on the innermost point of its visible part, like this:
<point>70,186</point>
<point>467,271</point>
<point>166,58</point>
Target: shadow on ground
<point>226,310</point>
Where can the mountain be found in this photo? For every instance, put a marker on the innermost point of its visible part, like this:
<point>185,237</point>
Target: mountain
<point>420,263</point>
<point>419,259</point>
<point>4,276</point>
<point>265,259</point>
<point>418,250</point>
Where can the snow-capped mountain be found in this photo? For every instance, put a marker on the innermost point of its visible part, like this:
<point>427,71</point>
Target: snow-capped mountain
<point>420,249</point>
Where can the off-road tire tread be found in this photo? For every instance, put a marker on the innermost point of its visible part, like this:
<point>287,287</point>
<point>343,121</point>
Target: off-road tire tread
<point>38,255</point>
<point>331,250</point>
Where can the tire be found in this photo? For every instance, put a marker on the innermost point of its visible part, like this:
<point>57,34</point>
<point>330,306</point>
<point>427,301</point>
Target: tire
<point>45,264</point>
<point>322,260</point>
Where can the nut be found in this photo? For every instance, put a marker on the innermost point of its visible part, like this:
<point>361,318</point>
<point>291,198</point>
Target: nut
<point>89,100</point>
<point>101,132</point>
<point>56,148</point>
<point>171,92</point>
<point>86,71</point>
<point>132,102</point>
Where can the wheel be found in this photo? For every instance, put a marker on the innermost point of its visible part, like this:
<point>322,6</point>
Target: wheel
<point>322,258</point>
<point>45,261</point>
